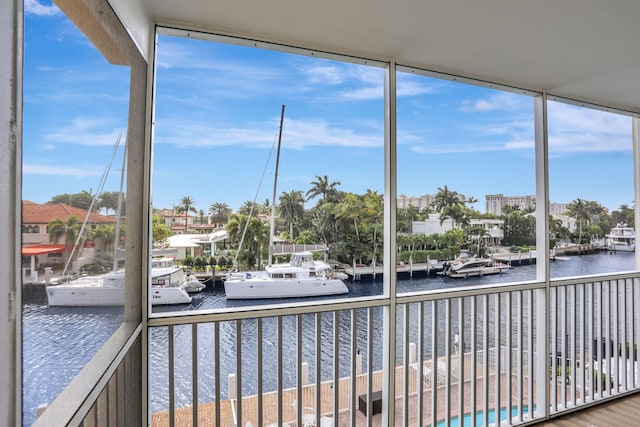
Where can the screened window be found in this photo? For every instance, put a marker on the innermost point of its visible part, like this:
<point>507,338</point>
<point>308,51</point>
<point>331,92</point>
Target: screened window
<point>591,193</point>
<point>75,112</point>
<point>227,112</point>
<point>466,184</point>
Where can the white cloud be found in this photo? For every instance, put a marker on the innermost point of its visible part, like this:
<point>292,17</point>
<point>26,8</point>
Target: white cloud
<point>88,131</point>
<point>297,134</point>
<point>31,169</point>
<point>467,148</point>
<point>579,130</point>
<point>34,7</point>
<point>363,94</point>
<point>502,101</point>
<point>326,74</point>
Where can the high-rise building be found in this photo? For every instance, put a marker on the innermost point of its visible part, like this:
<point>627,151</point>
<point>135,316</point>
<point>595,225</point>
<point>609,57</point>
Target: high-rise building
<point>495,203</point>
<point>421,202</point>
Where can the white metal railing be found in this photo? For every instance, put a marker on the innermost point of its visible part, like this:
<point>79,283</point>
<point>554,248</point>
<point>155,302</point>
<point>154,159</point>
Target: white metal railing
<point>594,336</point>
<point>465,352</point>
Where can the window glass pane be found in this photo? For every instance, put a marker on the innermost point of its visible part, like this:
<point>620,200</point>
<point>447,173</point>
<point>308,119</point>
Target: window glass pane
<point>75,111</point>
<point>218,109</point>
<point>466,185</point>
<point>590,191</point>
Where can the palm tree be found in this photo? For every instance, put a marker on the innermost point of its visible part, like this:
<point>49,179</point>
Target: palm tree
<point>444,201</point>
<point>255,237</point>
<point>249,208</point>
<point>219,213</point>
<point>58,229</point>
<point>291,208</point>
<point>105,234</point>
<point>579,210</point>
<point>186,207</point>
<point>322,187</point>
<point>323,219</point>
<point>555,226</point>
<point>350,209</point>
<point>201,215</point>
<point>374,209</point>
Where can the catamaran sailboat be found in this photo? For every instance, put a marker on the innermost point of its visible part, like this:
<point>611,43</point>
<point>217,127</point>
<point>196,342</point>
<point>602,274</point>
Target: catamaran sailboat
<point>302,276</point>
<point>168,286</point>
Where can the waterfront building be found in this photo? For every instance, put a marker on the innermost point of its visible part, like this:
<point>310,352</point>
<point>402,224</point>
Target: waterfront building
<point>179,223</point>
<point>432,225</point>
<point>534,362</point>
<point>37,251</point>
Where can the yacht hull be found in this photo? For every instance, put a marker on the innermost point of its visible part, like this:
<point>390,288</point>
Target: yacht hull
<point>265,287</point>
<point>71,295</point>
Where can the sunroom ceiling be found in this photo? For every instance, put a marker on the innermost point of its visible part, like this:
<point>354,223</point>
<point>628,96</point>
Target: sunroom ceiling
<point>581,49</point>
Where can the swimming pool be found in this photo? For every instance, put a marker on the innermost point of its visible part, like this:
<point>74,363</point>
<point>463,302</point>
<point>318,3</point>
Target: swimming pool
<point>453,421</point>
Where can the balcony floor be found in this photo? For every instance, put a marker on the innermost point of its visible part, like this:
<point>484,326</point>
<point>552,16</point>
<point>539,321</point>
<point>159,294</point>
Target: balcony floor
<point>624,411</point>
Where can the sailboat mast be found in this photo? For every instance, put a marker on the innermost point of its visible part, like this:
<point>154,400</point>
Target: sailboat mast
<point>275,186</point>
<point>116,259</point>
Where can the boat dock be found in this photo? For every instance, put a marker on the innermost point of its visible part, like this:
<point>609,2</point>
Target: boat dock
<point>358,271</point>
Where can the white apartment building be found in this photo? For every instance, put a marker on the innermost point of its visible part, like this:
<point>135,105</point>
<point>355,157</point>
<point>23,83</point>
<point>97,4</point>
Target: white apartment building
<point>557,208</point>
<point>424,201</point>
<point>495,203</point>
<point>432,225</point>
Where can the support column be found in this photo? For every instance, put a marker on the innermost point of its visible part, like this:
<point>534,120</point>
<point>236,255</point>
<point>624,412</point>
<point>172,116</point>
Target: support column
<point>11,53</point>
<point>390,246</point>
<point>635,131</point>
<point>541,296</point>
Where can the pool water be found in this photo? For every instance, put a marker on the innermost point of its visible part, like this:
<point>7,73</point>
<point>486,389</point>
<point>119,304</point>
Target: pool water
<point>453,422</point>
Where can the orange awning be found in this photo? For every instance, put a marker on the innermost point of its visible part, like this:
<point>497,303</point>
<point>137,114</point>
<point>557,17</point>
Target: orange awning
<point>41,249</point>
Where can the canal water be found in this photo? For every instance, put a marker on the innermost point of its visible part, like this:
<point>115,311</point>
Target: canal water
<point>58,341</point>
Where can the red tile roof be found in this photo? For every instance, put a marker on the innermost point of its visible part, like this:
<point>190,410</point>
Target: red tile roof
<point>34,213</point>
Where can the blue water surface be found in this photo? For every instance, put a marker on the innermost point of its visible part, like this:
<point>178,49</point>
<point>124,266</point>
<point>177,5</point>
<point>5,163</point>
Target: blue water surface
<point>59,341</point>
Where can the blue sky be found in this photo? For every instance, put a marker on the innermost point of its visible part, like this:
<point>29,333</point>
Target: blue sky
<point>217,116</point>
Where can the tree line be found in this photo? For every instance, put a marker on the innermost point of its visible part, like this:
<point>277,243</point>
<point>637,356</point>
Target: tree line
<point>351,224</point>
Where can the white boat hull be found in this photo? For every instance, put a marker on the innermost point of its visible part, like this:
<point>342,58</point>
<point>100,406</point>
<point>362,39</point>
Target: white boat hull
<point>622,247</point>
<point>174,295</point>
<point>486,271</point>
<point>265,287</point>
<point>69,295</point>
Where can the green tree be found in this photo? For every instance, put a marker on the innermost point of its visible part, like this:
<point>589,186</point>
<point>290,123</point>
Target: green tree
<point>291,209</point>
<point>109,201</point>
<point>374,214</point>
<point>160,231</point>
<point>186,206</point>
<point>249,208</point>
<point>322,187</point>
<point>80,200</point>
<point>105,235</point>
<point>444,202</point>
<point>323,221</point>
<point>59,229</point>
<point>256,237</point>
<point>201,216</point>
<point>219,213</point>
<point>350,209</point>
<point>580,210</point>
<point>623,215</point>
